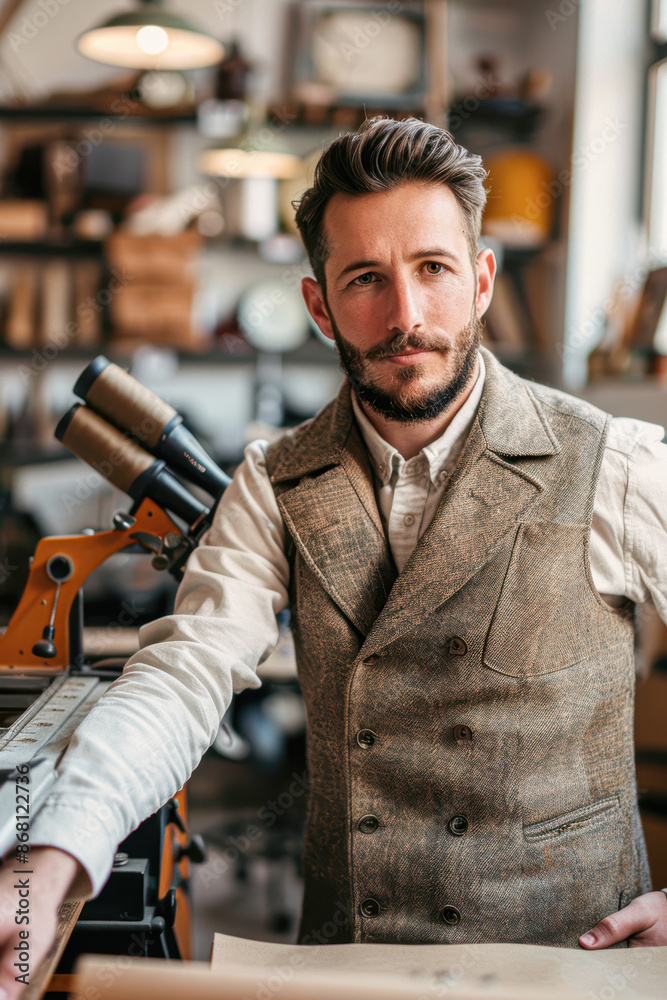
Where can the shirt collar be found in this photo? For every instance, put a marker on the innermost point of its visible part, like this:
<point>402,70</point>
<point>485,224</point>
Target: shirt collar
<point>385,458</point>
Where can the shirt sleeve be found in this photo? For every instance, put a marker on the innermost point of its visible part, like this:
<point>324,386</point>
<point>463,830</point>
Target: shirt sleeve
<point>629,529</point>
<point>148,732</point>
<point>646,525</point>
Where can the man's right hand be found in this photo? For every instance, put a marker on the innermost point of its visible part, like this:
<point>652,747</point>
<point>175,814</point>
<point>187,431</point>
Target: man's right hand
<point>52,872</point>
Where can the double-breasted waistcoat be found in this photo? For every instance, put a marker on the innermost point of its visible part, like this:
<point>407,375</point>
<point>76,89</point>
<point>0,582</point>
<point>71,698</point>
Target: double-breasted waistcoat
<point>470,737</point>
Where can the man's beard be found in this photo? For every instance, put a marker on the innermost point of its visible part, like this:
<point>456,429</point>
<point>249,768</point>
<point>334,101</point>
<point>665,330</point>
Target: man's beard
<point>428,404</point>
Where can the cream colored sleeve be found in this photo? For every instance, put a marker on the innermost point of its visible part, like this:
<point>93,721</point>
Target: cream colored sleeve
<point>628,548</point>
<point>146,735</point>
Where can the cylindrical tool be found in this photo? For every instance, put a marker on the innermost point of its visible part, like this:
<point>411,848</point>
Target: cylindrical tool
<point>124,463</point>
<point>117,396</point>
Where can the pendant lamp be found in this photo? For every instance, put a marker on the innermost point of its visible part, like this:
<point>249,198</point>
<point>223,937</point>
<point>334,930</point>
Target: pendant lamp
<point>150,38</point>
<point>237,162</point>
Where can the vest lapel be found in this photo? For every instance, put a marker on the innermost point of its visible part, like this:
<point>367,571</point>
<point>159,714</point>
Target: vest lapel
<point>332,513</point>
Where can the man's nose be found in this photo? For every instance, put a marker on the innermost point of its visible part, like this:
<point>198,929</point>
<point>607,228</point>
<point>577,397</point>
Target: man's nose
<point>403,307</point>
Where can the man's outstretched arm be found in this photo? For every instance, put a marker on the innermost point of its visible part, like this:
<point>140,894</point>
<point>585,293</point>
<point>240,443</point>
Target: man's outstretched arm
<point>141,741</point>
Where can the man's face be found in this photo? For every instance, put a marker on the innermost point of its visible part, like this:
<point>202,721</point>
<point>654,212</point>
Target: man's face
<point>403,298</point>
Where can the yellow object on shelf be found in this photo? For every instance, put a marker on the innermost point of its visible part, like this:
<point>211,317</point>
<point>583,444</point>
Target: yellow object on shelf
<point>520,206</point>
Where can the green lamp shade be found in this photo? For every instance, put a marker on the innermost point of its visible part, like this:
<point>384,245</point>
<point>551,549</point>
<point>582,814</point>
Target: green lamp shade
<point>150,39</point>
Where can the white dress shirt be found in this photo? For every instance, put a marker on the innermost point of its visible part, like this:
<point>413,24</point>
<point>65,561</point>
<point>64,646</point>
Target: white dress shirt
<point>141,742</point>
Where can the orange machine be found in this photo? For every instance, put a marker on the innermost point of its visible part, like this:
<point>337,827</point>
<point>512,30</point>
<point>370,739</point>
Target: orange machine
<point>136,441</point>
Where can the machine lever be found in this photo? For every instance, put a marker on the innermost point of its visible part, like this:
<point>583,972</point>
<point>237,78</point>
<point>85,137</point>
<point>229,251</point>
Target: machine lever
<point>59,568</point>
<point>195,850</point>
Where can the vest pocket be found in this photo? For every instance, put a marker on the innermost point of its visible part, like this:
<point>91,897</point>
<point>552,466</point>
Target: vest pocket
<point>547,618</point>
<point>583,818</point>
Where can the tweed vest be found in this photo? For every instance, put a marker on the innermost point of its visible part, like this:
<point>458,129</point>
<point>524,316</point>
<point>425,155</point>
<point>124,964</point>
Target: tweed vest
<point>470,720</point>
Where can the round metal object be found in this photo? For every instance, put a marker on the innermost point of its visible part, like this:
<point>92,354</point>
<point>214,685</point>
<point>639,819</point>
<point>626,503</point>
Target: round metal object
<point>462,734</point>
<point>458,646</point>
<point>59,568</point>
<point>369,907</point>
<point>451,915</point>
<point>458,825</point>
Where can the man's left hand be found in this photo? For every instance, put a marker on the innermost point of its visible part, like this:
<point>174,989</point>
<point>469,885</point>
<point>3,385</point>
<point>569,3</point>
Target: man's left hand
<point>642,923</point>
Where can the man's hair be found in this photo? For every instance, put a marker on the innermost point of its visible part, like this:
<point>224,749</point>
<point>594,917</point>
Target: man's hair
<point>382,154</point>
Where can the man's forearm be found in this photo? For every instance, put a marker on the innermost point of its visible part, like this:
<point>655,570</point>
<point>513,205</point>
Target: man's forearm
<point>55,870</point>
<point>52,874</point>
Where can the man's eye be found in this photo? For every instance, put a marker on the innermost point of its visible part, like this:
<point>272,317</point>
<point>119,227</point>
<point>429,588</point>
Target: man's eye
<point>365,279</point>
<point>433,267</point>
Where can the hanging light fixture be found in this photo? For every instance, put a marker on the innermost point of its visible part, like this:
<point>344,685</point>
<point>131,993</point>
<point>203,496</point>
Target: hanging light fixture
<point>150,38</point>
<point>236,162</point>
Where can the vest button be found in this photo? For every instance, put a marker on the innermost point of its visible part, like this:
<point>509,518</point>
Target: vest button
<point>365,738</point>
<point>457,646</point>
<point>369,907</point>
<point>450,915</point>
<point>462,734</point>
<point>368,824</point>
<point>458,825</point>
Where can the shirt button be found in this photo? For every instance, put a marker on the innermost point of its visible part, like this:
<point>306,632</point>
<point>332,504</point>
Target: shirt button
<point>368,824</point>
<point>462,734</point>
<point>369,907</point>
<point>409,518</point>
<point>450,915</point>
<point>365,738</point>
<point>458,825</point>
<point>457,646</point>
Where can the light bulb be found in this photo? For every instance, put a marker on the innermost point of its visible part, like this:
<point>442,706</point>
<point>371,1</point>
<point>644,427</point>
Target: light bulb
<point>152,39</point>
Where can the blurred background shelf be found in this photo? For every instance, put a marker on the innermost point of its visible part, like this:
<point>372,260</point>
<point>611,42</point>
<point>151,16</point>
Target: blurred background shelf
<point>52,248</point>
<point>83,114</point>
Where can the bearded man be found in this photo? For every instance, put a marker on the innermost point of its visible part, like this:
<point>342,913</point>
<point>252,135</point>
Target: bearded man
<point>460,550</point>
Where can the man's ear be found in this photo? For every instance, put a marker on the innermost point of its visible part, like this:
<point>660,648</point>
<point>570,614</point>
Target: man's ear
<point>313,295</point>
<point>486,273</point>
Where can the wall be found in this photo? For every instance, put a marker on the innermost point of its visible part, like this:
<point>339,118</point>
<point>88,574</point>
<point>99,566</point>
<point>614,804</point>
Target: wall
<point>606,232</point>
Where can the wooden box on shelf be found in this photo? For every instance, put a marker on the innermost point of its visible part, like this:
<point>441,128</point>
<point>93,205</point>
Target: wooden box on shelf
<point>154,259</point>
<point>23,219</point>
<point>160,314</point>
<point>155,300</point>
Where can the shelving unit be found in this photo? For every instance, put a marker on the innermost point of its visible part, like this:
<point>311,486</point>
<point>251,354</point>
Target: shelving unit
<point>84,114</point>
